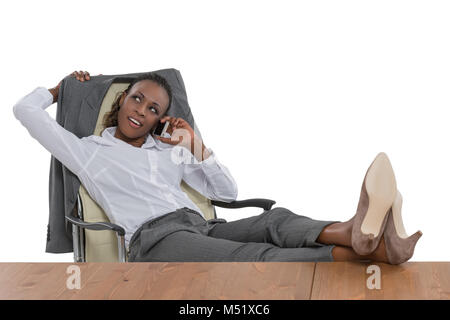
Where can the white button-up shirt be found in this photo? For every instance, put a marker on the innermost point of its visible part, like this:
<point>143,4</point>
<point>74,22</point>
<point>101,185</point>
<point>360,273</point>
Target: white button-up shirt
<point>132,185</point>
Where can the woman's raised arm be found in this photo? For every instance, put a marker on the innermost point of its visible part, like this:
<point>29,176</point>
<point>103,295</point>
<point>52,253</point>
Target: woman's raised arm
<point>70,150</point>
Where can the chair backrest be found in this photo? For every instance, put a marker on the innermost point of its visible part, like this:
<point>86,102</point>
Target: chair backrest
<point>101,246</point>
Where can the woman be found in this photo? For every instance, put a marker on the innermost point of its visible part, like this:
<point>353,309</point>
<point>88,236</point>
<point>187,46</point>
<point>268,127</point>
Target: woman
<point>135,177</point>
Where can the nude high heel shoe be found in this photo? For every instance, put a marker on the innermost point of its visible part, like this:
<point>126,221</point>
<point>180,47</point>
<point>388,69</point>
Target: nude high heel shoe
<point>399,247</point>
<point>378,192</point>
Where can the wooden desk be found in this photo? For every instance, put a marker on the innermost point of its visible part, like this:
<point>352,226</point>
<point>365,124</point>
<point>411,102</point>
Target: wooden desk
<point>225,280</point>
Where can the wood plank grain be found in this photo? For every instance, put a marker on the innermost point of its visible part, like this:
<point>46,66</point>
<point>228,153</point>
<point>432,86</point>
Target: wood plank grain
<point>411,280</point>
<point>32,281</point>
<point>225,280</point>
<point>269,280</point>
<point>205,281</point>
<point>182,280</point>
<point>237,280</point>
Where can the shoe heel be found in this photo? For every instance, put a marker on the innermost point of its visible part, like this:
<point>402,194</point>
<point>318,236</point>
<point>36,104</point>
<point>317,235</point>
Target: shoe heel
<point>399,247</point>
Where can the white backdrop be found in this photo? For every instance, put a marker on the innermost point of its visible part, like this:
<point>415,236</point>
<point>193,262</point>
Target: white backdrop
<point>296,99</point>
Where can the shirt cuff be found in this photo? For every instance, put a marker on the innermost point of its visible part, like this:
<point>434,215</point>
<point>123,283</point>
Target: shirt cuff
<point>210,164</point>
<point>211,159</point>
<point>46,96</point>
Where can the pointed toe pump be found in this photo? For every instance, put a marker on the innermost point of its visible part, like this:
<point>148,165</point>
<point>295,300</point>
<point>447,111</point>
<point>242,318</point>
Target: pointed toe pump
<point>399,247</point>
<point>378,192</point>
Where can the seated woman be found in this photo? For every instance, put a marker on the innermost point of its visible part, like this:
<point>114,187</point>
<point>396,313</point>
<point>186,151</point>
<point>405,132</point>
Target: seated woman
<point>135,177</point>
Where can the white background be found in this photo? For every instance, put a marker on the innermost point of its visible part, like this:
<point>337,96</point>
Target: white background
<point>296,99</point>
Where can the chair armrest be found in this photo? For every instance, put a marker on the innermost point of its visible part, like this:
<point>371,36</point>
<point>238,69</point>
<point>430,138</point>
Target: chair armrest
<point>96,225</point>
<point>265,204</point>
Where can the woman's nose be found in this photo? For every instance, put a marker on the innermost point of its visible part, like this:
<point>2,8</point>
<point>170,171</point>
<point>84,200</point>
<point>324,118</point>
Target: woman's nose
<point>140,110</point>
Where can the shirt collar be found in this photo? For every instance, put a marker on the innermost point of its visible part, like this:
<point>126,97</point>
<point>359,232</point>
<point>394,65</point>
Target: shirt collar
<point>150,142</point>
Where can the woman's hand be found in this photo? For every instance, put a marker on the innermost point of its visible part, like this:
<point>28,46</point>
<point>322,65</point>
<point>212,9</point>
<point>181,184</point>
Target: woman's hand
<point>80,75</point>
<point>180,131</point>
<point>183,135</point>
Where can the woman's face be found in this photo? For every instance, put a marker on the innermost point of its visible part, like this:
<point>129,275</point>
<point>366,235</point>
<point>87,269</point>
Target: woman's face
<point>146,103</point>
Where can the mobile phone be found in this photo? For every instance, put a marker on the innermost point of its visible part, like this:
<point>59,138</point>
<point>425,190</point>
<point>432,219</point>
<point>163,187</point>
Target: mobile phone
<point>161,128</point>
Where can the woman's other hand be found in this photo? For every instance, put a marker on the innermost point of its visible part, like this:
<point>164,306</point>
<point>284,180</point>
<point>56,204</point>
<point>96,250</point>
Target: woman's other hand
<point>178,129</point>
<point>182,134</point>
<point>79,75</point>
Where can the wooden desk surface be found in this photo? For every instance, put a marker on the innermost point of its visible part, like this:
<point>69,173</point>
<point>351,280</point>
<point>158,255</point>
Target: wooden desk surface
<point>225,280</point>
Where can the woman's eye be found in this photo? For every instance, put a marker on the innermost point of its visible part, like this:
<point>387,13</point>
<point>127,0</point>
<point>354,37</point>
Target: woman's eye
<point>156,111</point>
<point>137,97</point>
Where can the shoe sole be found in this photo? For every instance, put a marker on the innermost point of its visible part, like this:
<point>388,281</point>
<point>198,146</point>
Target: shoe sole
<point>381,188</point>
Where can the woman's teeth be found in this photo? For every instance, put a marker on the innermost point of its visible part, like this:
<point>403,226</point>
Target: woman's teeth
<point>135,121</point>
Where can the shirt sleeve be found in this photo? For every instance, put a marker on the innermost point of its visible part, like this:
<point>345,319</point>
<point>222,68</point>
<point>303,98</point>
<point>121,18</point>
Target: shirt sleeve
<point>70,150</point>
<point>211,178</point>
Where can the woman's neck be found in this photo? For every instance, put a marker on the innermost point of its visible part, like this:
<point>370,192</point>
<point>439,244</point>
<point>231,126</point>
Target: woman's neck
<point>137,142</point>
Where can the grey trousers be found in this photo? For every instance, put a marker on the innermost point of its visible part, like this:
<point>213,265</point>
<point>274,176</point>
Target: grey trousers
<point>185,236</point>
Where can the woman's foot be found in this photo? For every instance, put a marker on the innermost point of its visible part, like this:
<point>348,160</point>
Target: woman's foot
<point>340,234</point>
<point>379,255</point>
<point>348,254</point>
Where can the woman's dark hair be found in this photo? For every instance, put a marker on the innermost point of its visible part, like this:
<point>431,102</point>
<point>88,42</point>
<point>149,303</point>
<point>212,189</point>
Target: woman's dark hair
<point>110,118</point>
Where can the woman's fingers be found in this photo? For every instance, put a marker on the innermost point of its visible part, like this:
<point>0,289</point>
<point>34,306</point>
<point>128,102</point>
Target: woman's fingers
<point>170,140</point>
<point>165,118</point>
<point>77,75</point>
<point>170,119</point>
<point>175,123</point>
<point>81,75</point>
<point>165,140</point>
<point>84,75</point>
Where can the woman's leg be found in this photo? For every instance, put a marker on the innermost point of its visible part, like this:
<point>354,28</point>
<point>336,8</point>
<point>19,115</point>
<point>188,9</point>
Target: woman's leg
<point>285,229</point>
<point>186,246</point>
<point>278,226</point>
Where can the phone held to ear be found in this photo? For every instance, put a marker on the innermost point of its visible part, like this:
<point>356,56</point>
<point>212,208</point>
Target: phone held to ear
<point>161,128</point>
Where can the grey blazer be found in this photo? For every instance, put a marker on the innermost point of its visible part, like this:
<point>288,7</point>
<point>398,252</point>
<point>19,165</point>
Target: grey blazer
<point>77,111</point>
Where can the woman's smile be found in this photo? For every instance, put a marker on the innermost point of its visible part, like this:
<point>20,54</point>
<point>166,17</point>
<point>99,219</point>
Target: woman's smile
<point>134,123</point>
